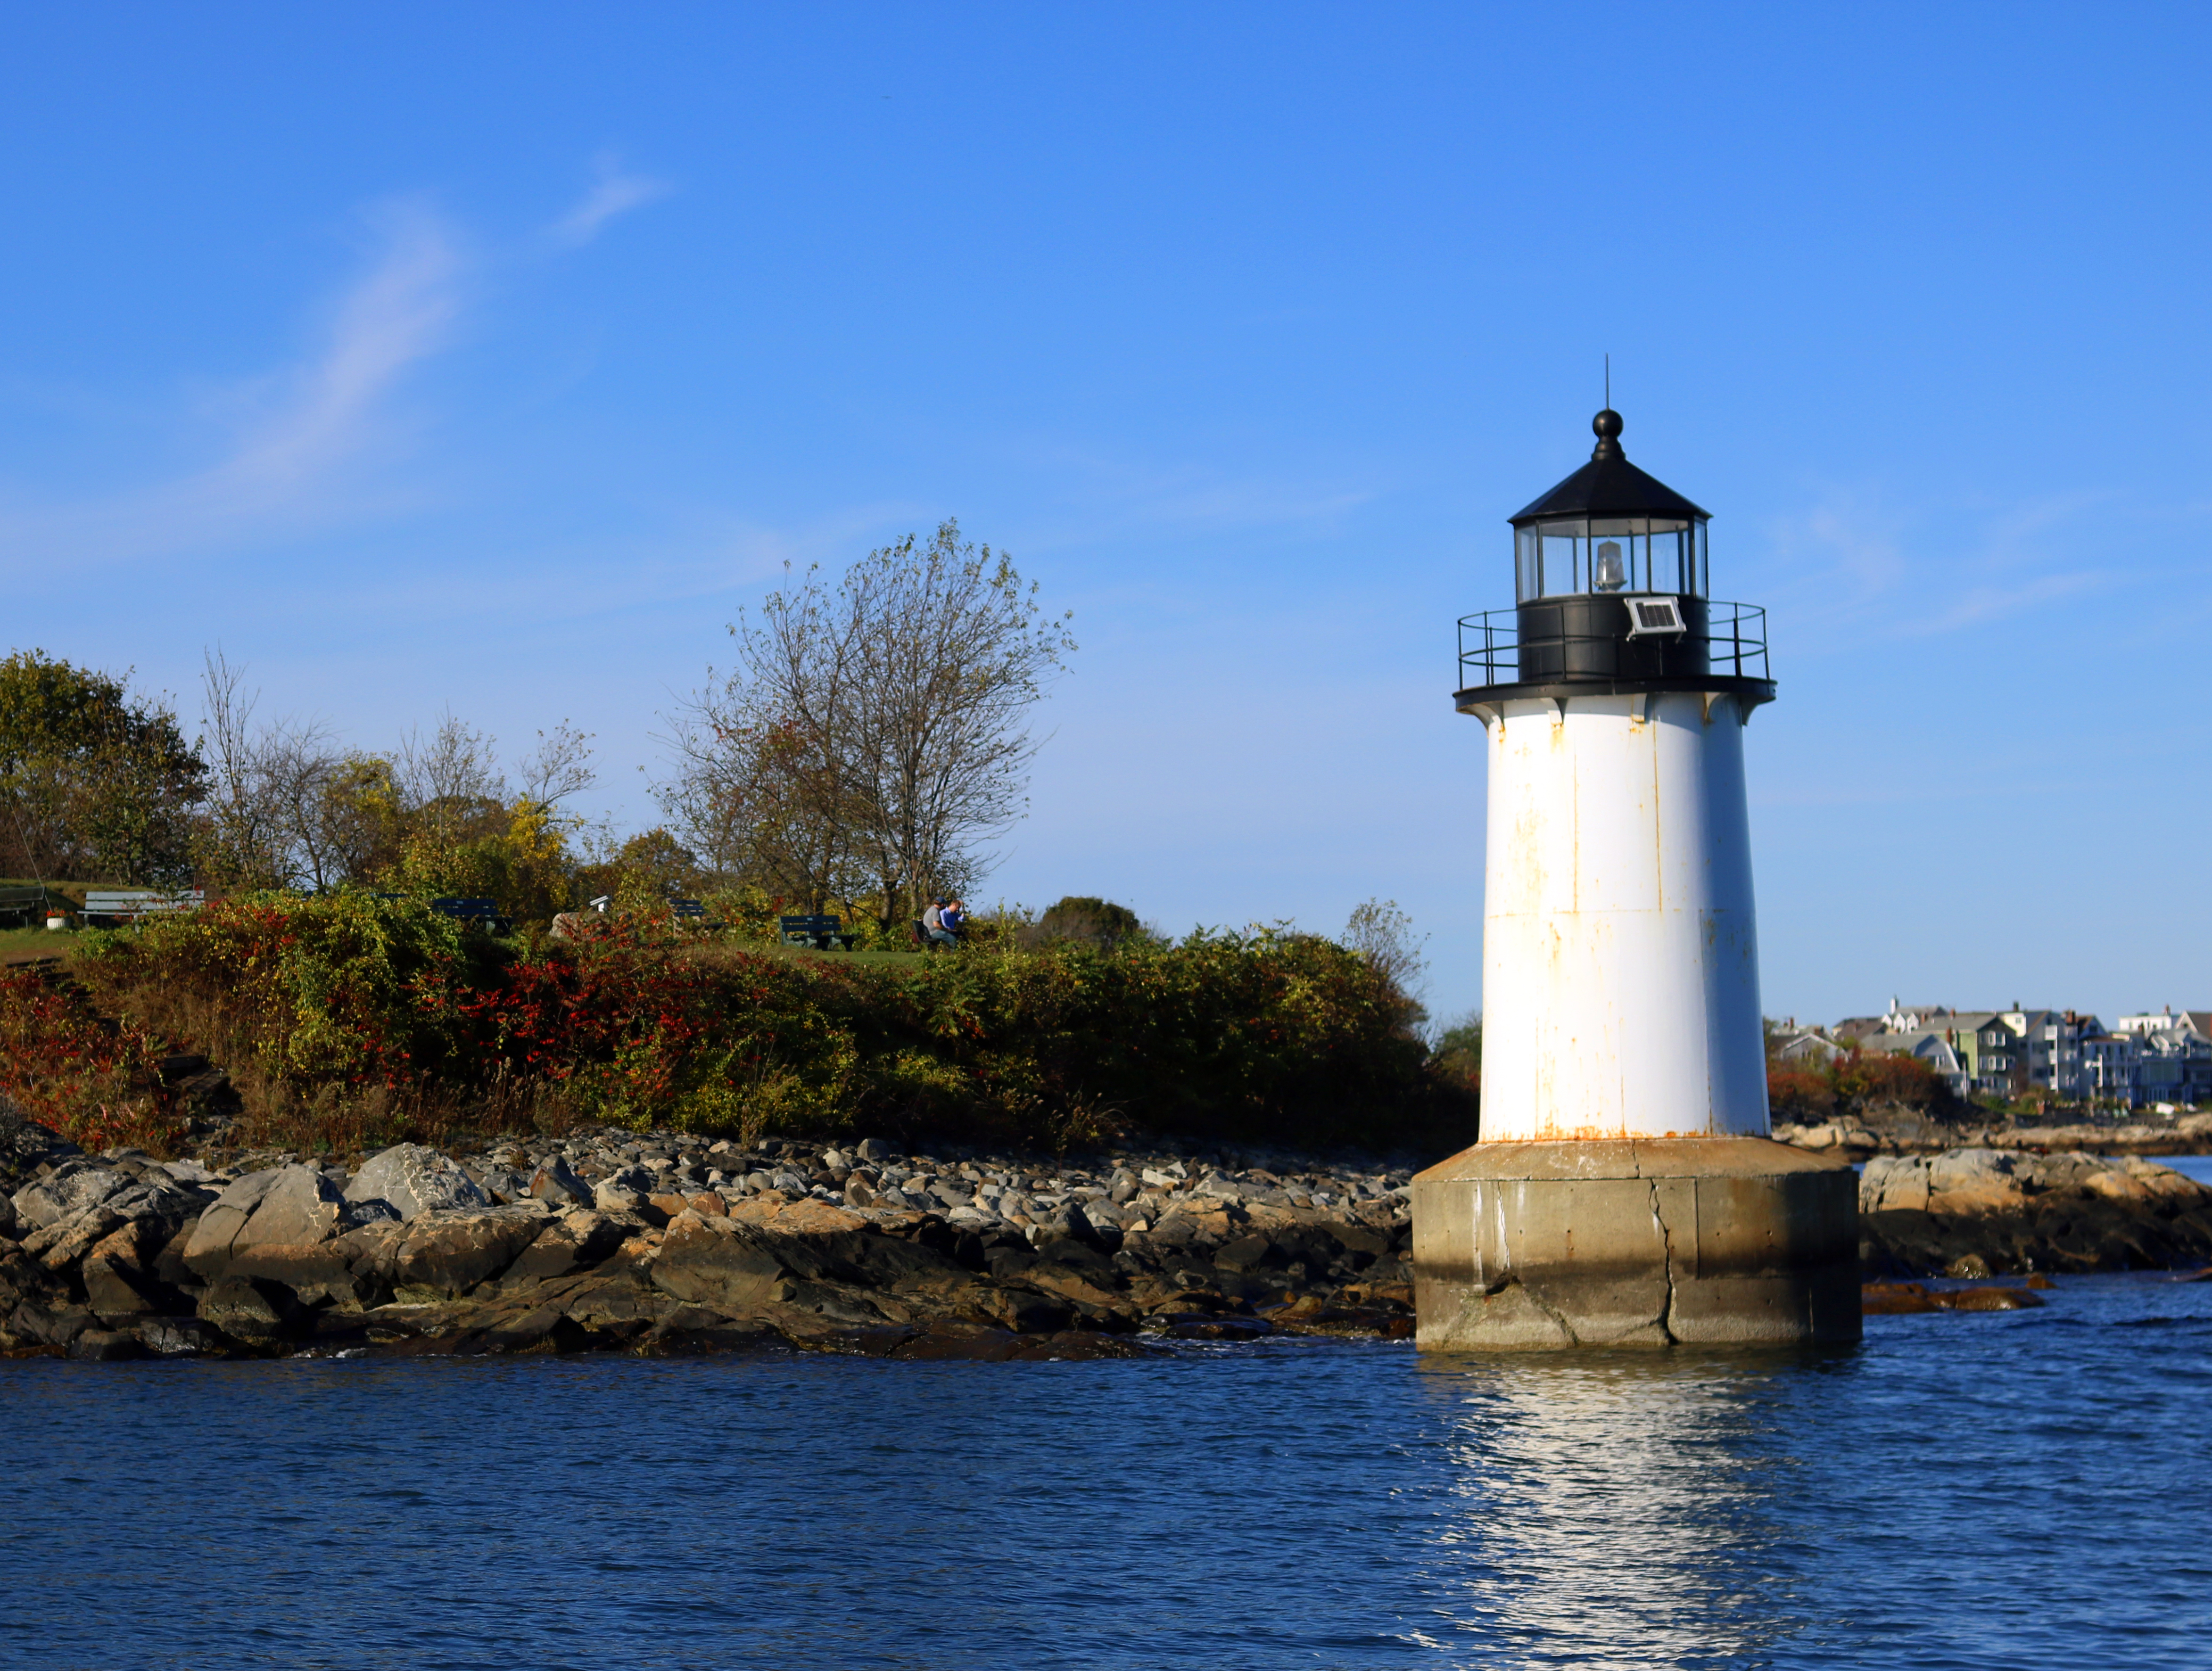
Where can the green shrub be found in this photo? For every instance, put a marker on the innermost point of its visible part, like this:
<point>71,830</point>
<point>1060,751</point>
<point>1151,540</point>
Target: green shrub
<point>323,1007</point>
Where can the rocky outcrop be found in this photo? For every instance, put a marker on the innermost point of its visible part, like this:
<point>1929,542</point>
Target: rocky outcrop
<point>1979,1212</point>
<point>414,1180</point>
<point>671,1245</point>
<point>1859,1139</point>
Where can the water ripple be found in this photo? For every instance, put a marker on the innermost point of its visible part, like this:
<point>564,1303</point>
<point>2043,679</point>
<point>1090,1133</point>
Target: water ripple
<point>1993,1490</point>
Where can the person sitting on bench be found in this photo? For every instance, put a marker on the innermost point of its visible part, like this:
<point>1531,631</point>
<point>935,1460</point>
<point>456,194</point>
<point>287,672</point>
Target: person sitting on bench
<point>934,925</point>
<point>953,921</point>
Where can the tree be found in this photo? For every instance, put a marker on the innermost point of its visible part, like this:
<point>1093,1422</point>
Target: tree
<point>262,828</point>
<point>1087,919</point>
<point>292,810</point>
<point>646,871</point>
<point>461,831</point>
<point>1383,935</point>
<point>874,734</point>
<point>96,784</point>
<point>1458,1049</point>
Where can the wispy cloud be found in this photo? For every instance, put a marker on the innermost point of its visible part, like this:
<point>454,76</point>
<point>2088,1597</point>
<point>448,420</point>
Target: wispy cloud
<point>1843,544</point>
<point>290,443</point>
<point>1868,573</point>
<point>1992,603</point>
<point>328,411</point>
<point>613,192</point>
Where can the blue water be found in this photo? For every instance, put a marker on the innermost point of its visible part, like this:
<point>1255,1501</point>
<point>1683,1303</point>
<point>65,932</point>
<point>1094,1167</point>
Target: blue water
<point>2023,1489</point>
<point>2198,1167</point>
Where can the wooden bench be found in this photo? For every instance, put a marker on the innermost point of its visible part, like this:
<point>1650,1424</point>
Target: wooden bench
<point>690,908</point>
<point>474,913</point>
<point>817,932</point>
<point>120,904</point>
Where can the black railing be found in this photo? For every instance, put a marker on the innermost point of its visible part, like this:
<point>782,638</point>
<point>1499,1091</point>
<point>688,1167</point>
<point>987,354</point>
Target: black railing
<point>1490,646</point>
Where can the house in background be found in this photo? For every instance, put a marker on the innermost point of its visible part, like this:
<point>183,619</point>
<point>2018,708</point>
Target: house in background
<point>2175,1061</point>
<point>1931,1045</point>
<point>1804,1047</point>
<point>2051,1040</point>
<point>1912,1017</point>
<point>1987,1046</point>
<point>1984,1043</point>
<point>2157,1057</point>
<point>2111,1066</point>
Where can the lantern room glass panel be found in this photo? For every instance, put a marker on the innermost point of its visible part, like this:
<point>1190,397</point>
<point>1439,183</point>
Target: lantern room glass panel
<point>1621,554</point>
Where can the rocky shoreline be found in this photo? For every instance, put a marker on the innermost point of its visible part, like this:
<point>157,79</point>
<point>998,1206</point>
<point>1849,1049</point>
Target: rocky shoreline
<point>667,1243</point>
<point>663,1242</point>
<point>1982,1211</point>
<point>1899,1132</point>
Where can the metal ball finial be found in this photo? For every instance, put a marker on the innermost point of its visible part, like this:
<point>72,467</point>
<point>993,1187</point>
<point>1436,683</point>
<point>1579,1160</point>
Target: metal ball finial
<point>1607,425</point>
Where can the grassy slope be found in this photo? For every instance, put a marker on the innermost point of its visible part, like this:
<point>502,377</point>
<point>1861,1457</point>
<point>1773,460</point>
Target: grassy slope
<point>39,942</point>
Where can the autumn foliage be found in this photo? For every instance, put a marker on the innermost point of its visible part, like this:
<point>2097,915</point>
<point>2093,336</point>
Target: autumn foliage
<point>359,1017</point>
<point>1852,1083</point>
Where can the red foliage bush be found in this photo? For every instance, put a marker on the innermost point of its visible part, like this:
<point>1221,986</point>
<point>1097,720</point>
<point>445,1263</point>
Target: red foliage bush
<point>324,1008</point>
<point>92,1079</point>
<point>1856,1081</point>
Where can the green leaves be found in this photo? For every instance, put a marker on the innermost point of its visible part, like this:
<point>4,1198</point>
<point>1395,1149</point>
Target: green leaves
<point>1270,1036</point>
<point>96,784</point>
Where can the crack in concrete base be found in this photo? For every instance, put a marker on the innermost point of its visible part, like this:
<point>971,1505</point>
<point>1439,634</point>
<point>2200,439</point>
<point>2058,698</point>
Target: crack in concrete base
<point>1665,1320</point>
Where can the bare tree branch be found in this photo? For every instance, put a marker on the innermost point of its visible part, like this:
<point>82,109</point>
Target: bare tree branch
<point>877,728</point>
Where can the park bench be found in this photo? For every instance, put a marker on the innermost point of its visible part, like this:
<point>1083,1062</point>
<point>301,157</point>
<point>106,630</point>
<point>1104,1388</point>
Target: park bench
<point>23,907</point>
<point>690,908</point>
<point>817,932</point>
<point>121,904</point>
<point>474,913</point>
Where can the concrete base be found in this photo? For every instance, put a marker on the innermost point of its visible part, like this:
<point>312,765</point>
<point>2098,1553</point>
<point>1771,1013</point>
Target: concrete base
<point>1718,1240</point>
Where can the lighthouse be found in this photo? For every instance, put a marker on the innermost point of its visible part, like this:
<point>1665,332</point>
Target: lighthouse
<point>1625,1190</point>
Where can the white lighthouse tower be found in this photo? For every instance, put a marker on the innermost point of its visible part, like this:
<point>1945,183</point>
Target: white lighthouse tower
<point>1624,1188</point>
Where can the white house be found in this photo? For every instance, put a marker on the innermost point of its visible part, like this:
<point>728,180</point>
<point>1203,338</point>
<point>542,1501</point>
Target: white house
<point>2175,1064</point>
<point>1912,1018</point>
<point>2111,1066</point>
<point>1806,1047</point>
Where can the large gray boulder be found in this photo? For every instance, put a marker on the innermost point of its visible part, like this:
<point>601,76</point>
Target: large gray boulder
<point>721,1263</point>
<point>117,1290</point>
<point>82,1202</point>
<point>1894,1182</point>
<point>1972,1169</point>
<point>415,1180</point>
<point>576,1240</point>
<point>73,1188</point>
<point>446,1256</point>
<point>301,1208</point>
<point>286,1207</point>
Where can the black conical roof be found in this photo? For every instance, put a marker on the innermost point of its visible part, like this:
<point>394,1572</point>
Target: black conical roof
<point>1608,485</point>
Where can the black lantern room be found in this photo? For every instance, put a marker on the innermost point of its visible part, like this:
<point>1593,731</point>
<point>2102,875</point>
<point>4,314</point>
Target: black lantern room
<point>1612,595</point>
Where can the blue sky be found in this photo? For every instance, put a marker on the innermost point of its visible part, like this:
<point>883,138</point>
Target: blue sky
<point>492,357</point>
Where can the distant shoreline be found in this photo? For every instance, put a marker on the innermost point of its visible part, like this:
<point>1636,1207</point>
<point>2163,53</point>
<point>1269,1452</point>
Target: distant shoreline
<point>2191,1134</point>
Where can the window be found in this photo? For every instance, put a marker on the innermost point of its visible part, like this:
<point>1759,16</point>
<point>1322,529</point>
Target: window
<point>1633,554</point>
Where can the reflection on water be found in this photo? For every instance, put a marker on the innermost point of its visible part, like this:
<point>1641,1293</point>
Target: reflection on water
<point>1617,1509</point>
<point>1960,1493</point>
